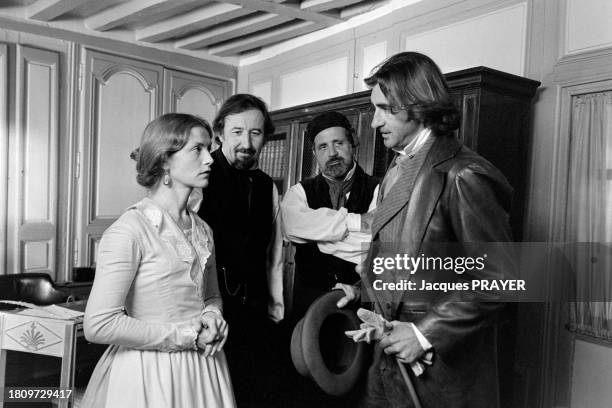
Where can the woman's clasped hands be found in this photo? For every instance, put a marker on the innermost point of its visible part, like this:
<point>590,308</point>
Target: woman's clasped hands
<point>213,332</point>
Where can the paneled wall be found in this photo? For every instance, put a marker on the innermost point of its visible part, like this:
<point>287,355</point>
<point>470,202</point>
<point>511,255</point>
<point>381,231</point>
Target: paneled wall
<point>594,14</point>
<point>70,114</point>
<point>457,35</point>
<point>120,96</point>
<point>33,163</point>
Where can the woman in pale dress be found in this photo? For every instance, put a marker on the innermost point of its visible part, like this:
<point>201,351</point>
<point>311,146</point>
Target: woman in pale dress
<point>155,297</point>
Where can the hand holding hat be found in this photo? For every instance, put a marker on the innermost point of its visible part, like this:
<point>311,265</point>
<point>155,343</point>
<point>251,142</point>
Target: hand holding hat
<point>321,351</point>
<point>351,294</point>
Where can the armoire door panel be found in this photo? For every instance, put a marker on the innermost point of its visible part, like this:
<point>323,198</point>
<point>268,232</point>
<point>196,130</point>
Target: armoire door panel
<point>36,255</point>
<point>39,152</point>
<point>194,94</point>
<point>469,104</point>
<point>92,245</point>
<point>33,163</point>
<point>274,156</point>
<point>307,165</point>
<point>123,108</point>
<point>120,97</point>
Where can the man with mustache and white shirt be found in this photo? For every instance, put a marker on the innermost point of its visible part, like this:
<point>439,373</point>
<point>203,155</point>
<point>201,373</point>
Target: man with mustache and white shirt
<point>327,216</point>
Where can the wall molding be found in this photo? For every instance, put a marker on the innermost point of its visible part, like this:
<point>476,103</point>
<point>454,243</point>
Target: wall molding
<point>106,43</point>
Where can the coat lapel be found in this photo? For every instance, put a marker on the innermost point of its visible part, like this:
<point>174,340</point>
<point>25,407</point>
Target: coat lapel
<point>400,192</point>
<point>426,193</point>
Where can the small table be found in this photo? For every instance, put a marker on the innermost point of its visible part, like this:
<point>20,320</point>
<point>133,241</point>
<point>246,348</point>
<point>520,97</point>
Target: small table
<point>42,335</point>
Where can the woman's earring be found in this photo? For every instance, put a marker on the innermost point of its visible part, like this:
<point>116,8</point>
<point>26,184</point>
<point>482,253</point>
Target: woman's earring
<point>166,177</point>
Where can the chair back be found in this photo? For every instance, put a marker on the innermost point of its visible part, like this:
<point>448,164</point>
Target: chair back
<point>37,288</point>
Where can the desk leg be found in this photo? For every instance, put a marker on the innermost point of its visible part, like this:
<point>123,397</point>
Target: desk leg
<point>67,373</point>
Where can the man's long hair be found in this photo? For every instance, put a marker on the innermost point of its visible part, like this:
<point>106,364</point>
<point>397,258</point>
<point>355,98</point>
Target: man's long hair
<point>413,82</point>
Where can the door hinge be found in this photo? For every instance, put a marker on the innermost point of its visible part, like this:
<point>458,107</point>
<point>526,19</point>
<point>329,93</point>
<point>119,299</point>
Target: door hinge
<point>80,77</point>
<point>77,169</point>
<point>75,252</point>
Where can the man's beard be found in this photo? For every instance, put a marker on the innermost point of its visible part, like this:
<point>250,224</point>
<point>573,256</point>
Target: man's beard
<point>336,168</point>
<point>244,163</point>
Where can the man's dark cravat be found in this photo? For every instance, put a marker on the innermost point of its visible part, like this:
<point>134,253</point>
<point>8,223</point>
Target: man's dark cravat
<point>338,191</point>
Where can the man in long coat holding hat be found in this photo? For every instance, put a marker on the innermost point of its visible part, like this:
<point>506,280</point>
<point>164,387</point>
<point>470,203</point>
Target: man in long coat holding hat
<point>436,191</point>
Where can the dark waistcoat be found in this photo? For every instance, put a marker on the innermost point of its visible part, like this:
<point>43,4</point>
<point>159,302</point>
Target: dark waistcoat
<point>319,270</point>
<point>237,205</point>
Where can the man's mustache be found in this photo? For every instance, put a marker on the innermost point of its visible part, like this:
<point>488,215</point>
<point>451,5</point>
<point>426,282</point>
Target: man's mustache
<point>246,150</point>
<point>333,162</point>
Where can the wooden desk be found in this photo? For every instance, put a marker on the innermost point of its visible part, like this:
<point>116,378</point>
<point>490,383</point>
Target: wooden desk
<point>41,335</point>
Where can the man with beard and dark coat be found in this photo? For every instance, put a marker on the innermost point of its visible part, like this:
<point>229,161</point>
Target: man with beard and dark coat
<point>241,205</point>
<point>327,216</point>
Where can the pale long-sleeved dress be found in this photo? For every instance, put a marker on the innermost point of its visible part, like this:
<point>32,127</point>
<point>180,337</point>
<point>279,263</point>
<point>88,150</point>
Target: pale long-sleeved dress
<point>152,283</point>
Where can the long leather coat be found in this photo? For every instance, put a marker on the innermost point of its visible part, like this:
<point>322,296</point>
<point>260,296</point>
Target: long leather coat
<point>458,197</point>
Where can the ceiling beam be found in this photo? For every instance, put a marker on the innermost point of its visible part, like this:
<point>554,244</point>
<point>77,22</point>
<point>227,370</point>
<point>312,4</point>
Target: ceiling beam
<point>288,10</point>
<point>253,24</point>
<point>235,29</point>
<point>134,11</point>
<point>47,10</point>
<point>361,8</point>
<point>324,5</point>
<point>184,24</point>
<point>264,38</point>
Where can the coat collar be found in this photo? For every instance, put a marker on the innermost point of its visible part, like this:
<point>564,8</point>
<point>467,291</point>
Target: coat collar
<point>444,148</point>
<point>441,149</point>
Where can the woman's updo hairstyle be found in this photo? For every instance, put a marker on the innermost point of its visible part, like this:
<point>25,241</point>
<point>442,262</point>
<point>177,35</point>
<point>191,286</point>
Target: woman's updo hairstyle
<point>162,138</point>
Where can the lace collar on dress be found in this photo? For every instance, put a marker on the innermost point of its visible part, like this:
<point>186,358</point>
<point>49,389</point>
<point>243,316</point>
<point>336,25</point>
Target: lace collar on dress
<point>170,233</point>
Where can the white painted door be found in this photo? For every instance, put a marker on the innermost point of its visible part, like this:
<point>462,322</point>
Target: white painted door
<point>33,149</point>
<point>120,96</point>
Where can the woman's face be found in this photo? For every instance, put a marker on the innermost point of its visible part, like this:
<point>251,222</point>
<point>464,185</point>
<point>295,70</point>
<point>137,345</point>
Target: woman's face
<point>190,166</point>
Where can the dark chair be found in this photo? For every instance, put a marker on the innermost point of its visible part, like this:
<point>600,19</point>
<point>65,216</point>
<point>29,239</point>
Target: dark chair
<point>37,288</point>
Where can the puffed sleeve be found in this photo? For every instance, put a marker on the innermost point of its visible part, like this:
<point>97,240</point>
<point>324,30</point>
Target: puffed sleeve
<point>106,320</point>
<point>303,224</point>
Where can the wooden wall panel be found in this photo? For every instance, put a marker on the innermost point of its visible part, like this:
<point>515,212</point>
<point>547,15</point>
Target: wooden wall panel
<point>123,106</point>
<point>33,163</point>
<point>263,90</point>
<point>324,80</point>
<point>594,14</point>
<point>194,94</point>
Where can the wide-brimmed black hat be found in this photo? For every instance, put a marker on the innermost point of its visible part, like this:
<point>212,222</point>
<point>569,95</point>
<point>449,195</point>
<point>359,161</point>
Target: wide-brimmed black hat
<point>320,349</point>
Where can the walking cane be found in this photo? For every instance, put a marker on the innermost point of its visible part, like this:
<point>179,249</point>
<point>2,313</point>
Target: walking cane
<point>411,390</point>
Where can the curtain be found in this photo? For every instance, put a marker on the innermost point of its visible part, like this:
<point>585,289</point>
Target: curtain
<point>589,213</point>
